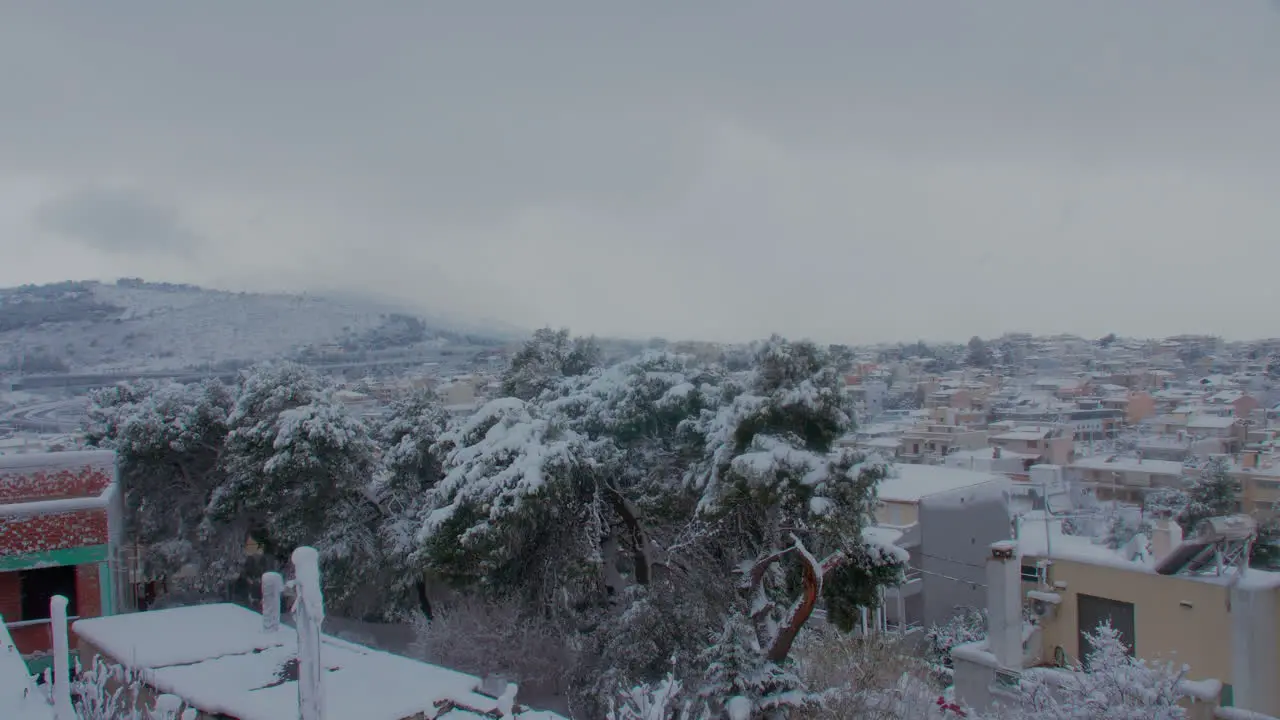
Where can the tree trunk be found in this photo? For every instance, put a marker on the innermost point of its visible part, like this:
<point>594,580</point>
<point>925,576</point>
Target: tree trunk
<point>787,633</point>
<point>423,601</point>
<point>640,555</point>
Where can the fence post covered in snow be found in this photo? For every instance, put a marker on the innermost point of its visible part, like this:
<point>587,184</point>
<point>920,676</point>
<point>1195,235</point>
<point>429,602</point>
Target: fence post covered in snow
<point>62,709</point>
<point>272,587</point>
<point>308,615</point>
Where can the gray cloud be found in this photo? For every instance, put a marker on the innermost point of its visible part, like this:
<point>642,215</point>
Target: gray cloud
<point>117,220</point>
<point>845,169</point>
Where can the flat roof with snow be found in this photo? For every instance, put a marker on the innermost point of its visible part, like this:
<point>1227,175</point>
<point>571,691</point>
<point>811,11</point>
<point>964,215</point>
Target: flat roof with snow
<point>913,482</point>
<point>1129,464</point>
<point>104,460</point>
<point>1210,421</point>
<point>219,659</point>
<point>1022,434</point>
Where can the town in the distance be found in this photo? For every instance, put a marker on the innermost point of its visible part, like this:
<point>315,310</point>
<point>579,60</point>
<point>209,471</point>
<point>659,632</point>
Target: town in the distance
<point>253,506</point>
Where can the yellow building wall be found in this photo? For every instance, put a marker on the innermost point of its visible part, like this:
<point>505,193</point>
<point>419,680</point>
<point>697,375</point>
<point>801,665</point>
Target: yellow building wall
<point>897,513</point>
<point>1199,636</point>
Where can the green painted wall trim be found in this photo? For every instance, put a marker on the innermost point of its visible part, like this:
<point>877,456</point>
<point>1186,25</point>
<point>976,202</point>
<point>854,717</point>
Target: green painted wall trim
<point>37,664</point>
<point>105,589</point>
<point>69,556</point>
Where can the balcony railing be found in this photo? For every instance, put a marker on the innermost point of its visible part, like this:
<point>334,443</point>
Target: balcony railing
<point>33,623</point>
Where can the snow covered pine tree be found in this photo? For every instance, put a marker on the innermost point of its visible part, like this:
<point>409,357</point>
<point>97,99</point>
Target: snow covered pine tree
<point>798,507</point>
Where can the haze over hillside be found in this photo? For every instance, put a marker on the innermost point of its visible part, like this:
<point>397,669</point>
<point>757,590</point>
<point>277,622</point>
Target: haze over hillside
<point>100,327</point>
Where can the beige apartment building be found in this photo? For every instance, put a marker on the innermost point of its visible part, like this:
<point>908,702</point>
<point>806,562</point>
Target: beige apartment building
<point>1192,604</point>
<point>1053,444</point>
<point>933,441</point>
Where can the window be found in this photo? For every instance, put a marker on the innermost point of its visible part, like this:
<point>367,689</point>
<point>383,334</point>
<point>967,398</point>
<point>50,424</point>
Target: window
<point>39,585</point>
<point>1030,573</point>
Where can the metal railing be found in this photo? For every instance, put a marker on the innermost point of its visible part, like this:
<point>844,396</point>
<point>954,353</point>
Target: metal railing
<point>32,623</point>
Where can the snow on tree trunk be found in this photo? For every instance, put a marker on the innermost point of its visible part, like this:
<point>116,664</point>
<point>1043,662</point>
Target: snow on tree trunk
<point>308,614</point>
<point>62,709</point>
<point>272,586</point>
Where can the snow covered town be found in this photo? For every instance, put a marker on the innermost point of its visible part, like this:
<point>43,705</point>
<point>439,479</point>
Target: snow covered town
<point>1013,528</point>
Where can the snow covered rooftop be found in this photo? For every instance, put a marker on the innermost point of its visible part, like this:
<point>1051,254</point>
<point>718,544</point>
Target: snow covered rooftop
<point>219,659</point>
<point>1210,421</point>
<point>1129,464</point>
<point>964,455</point>
<point>910,483</point>
<point>1024,433</point>
<point>1039,539</point>
<point>104,460</point>
<point>19,697</point>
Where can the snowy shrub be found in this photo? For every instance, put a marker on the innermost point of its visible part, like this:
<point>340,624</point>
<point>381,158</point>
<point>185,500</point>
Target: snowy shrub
<point>878,677</point>
<point>1123,527</point>
<point>659,631</point>
<point>488,637</point>
<point>107,691</point>
<point>969,625</point>
<point>740,680</point>
<point>1112,685</point>
<point>663,700</point>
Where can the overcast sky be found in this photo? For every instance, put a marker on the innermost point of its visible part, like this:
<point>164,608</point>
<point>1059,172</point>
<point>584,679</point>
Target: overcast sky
<point>844,170</point>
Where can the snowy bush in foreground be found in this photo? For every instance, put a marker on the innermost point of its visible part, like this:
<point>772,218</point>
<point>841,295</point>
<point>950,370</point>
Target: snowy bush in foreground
<point>1112,686</point>
<point>107,691</point>
<point>482,638</point>
<point>970,625</point>
<point>872,678</point>
<point>660,701</point>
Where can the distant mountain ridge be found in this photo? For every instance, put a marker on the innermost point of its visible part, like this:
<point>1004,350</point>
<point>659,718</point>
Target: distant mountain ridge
<point>88,326</point>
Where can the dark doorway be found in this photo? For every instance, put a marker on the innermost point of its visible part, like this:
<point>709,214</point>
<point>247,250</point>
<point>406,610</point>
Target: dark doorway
<point>1092,611</point>
<point>41,584</point>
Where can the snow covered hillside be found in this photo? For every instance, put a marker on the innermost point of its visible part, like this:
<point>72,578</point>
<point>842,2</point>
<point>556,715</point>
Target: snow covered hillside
<point>96,327</point>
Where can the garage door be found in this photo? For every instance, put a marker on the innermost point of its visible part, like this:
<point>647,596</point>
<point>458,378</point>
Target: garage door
<point>1092,611</point>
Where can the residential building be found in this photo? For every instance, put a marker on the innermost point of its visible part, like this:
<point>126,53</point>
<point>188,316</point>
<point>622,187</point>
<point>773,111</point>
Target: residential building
<point>1051,442</point>
<point>59,535</point>
<point>931,442</point>
<point>1125,479</point>
<point>1090,421</point>
<point>1228,430</point>
<point>1217,618</point>
<point>950,397</point>
<point>1259,477</point>
<point>942,516</point>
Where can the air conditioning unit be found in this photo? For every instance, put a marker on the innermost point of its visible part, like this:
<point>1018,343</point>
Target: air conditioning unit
<point>1044,604</point>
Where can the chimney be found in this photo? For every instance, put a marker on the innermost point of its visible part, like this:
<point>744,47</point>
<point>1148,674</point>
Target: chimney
<point>1166,536</point>
<point>1004,604</point>
<point>995,452</point>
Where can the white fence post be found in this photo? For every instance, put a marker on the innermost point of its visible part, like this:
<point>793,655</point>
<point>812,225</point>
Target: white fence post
<point>308,615</point>
<point>62,709</point>
<point>272,587</point>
